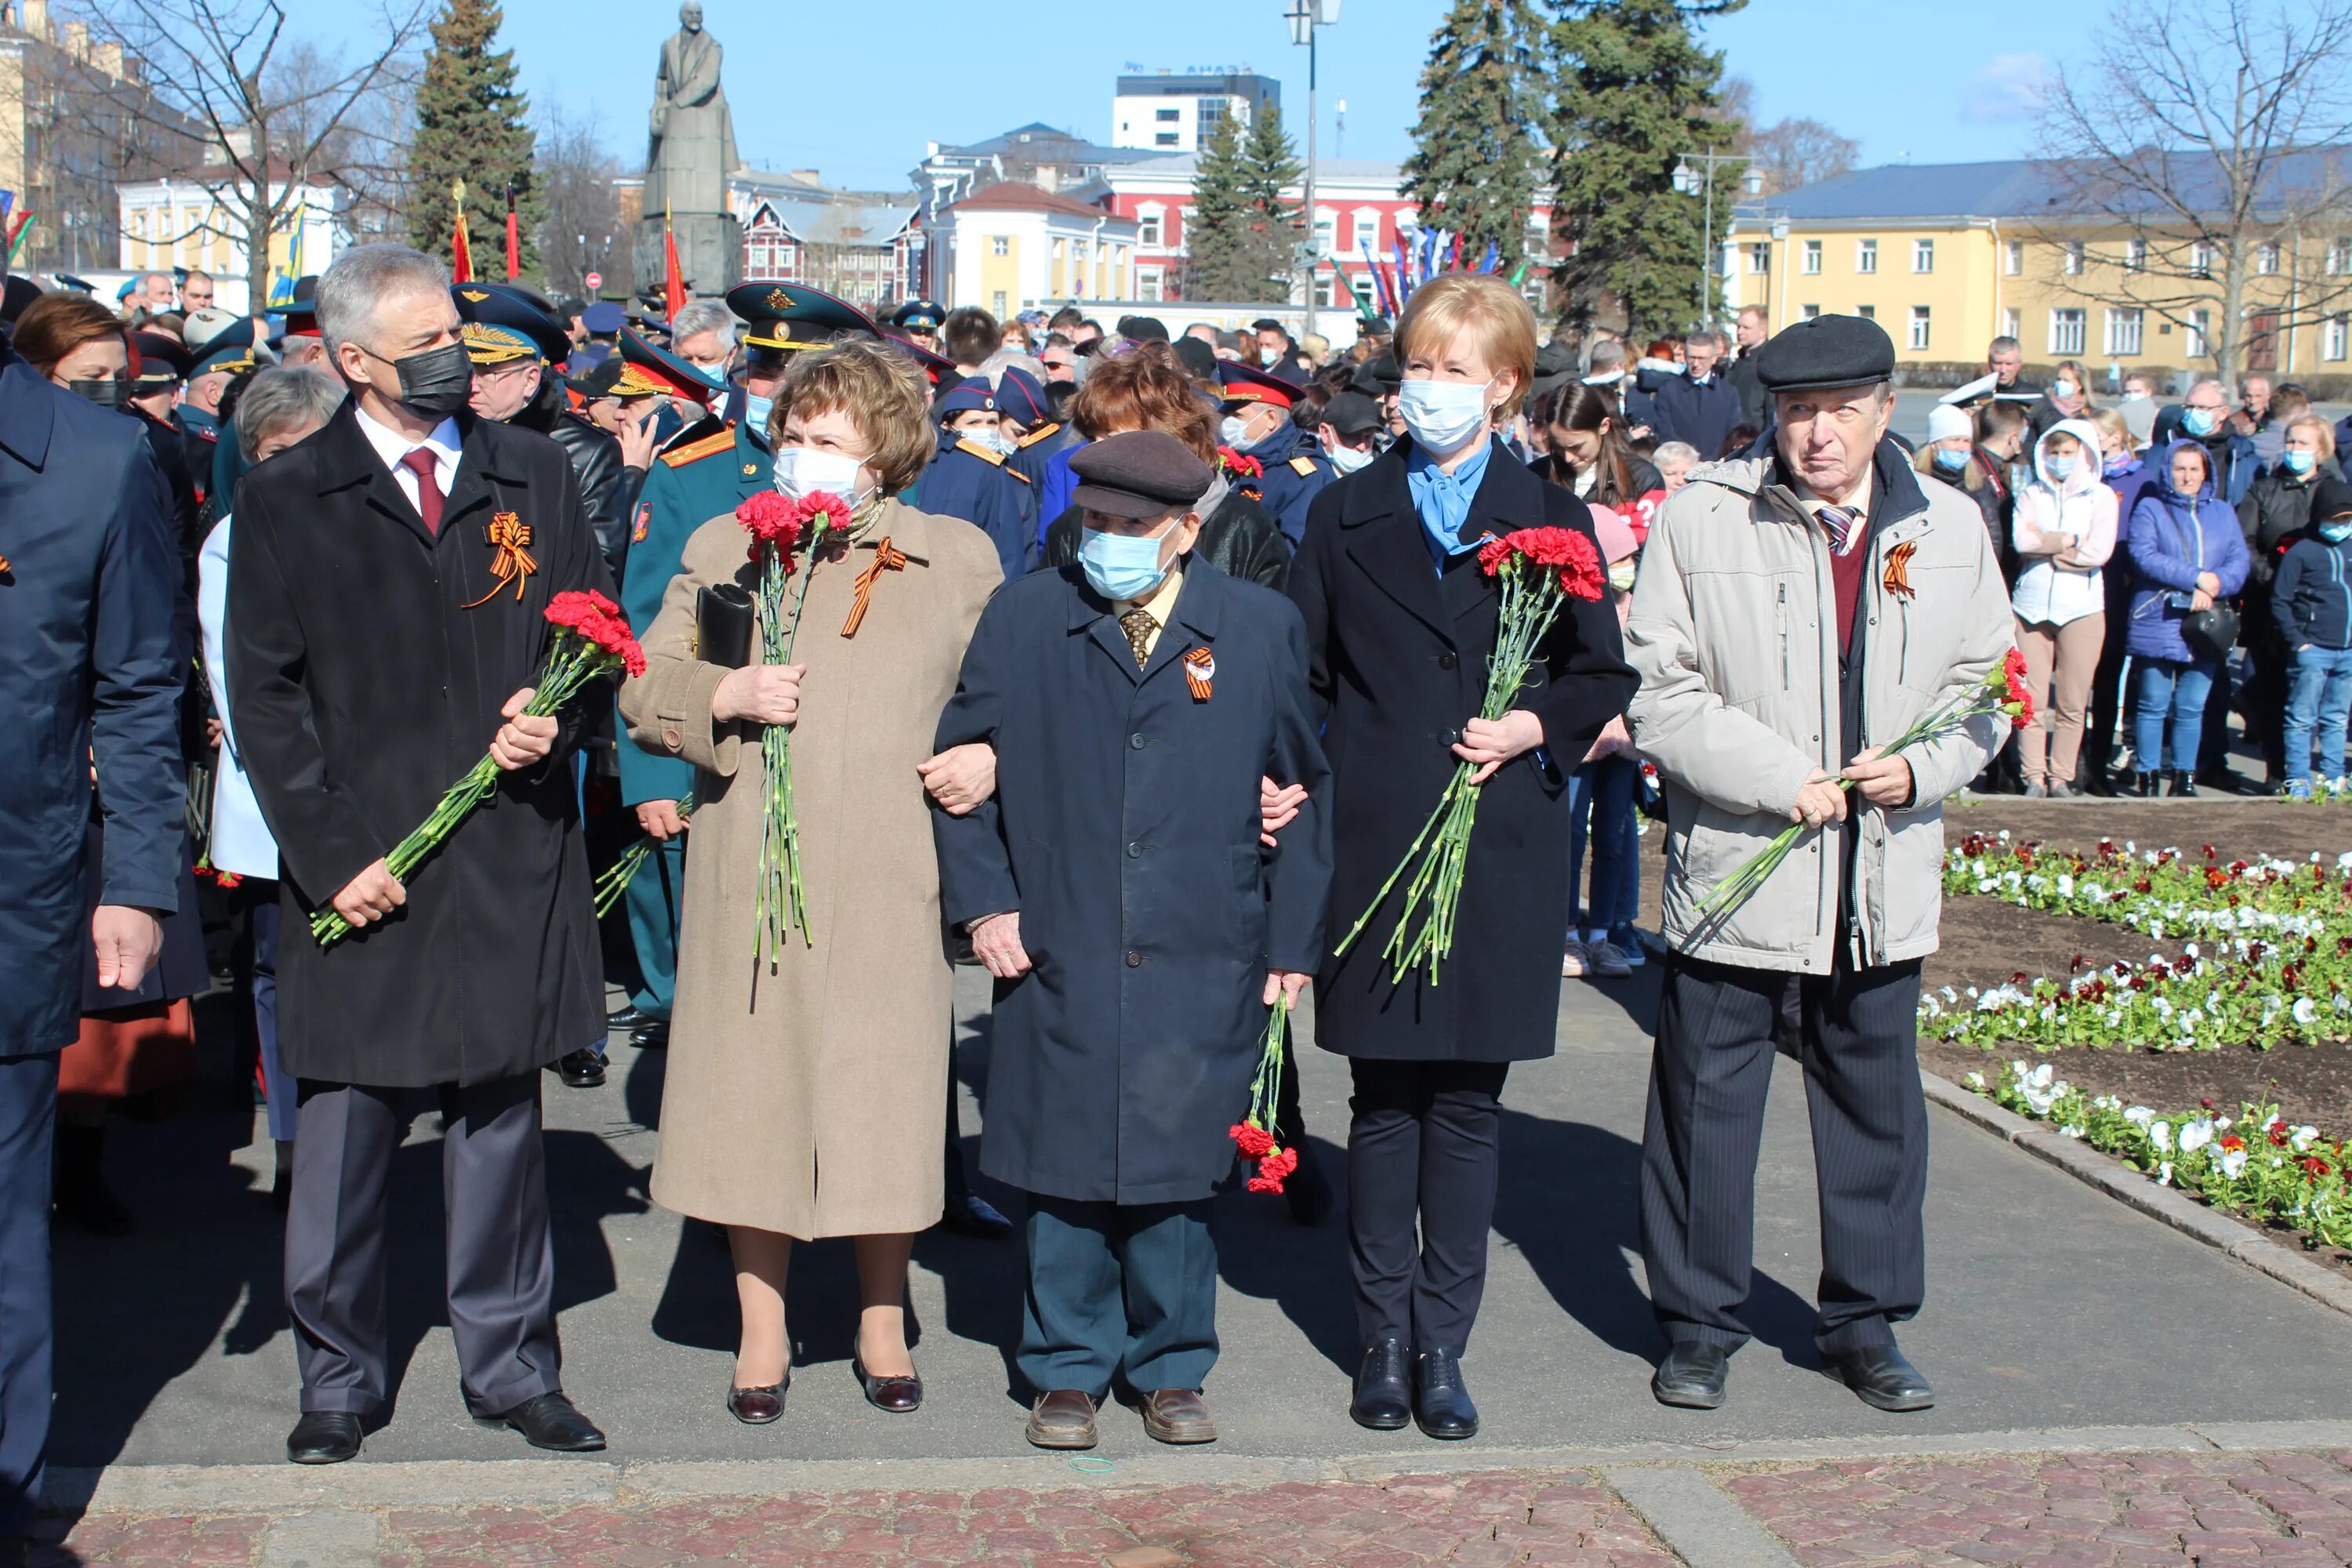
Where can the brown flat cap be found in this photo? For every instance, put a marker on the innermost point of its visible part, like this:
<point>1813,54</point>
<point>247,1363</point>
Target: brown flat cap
<point>1140,473</point>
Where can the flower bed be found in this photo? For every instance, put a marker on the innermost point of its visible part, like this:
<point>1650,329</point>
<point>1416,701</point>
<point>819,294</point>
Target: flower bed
<point>2157,891</point>
<point>2255,1165</point>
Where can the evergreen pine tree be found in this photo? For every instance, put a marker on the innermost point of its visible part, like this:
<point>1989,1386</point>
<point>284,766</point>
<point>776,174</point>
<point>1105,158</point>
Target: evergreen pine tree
<point>1217,228</point>
<point>470,125</point>
<point>1634,91</point>
<point>1473,168</point>
<point>1270,168</point>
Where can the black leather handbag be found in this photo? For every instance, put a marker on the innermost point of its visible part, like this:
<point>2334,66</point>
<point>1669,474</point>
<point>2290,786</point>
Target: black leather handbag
<point>2211,631</point>
<point>723,624</point>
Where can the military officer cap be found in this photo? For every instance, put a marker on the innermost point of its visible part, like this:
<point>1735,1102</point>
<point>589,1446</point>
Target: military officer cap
<point>603,319</point>
<point>788,316</point>
<point>1352,414</point>
<point>966,396</point>
<point>613,376</point>
<point>163,361</point>
<point>229,349</point>
<point>669,373</point>
<point>79,285</point>
<point>301,314</point>
<point>503,326</point>
<point>1020,397</point>
<point>203,326</point>
<point>1824,352</point>
<point>1138,474</point>
<point>917,316</point>
<point>1242,384</point>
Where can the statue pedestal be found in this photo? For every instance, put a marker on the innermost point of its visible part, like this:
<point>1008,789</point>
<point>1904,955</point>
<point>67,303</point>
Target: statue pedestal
<point>709,252</point>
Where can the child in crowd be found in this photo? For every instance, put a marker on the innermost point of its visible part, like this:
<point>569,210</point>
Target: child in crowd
<point>2312,598</point>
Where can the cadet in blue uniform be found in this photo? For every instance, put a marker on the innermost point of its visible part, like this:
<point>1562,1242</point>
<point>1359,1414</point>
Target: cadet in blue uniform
<point>1257,425</point>
<point>917,321</point>
<point>969,476</point>
<point>1026,418</point>
<point>1115,888</point>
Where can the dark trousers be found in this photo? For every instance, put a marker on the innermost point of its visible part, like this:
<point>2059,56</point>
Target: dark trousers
<point>501,1267</point>
<point>1118,1291</point>
<point>1708,1074</point>
<point>29,1117</point>
<point>651,900</point>
<point>2107,683</point>
<point>277,1089</point>
<point>1421,1160</point>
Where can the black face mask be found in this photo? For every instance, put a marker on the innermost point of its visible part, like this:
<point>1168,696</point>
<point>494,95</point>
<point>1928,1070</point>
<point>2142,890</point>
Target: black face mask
<point>435,383</point>
<point>105,394</point>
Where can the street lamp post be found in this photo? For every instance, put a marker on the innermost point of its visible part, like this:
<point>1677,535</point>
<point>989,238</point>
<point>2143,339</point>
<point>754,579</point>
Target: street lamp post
<point>1700,181</point>
<point>1305,16</point>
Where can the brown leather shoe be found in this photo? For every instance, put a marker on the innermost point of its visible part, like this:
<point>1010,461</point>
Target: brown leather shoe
<point>1178,1415</point>
<point>898,1396</point>
<point>758,1405</point>
<point>1063,1418</point>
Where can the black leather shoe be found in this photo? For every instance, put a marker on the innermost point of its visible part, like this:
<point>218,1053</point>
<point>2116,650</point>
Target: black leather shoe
<point>1440,1405</point>
<point>653,1035</point>
<point>1880,1377</point>
<point>1383,1400</point>
<point>582,1069</point>
<point>898,1395</point>
<point>546,1421</point>
<point>324,1437</point>
<point>1692,1376</point>
<point>627,1017</point>
<point>969,1214</point>
<point>1305,1191</point>
<point>758,1406</point>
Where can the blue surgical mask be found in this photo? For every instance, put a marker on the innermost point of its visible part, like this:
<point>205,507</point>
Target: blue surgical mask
<point>2335,533</point>
<point>1347,459</point>
<point>2299,462</point>
<point>1442,416</point>
<point>1949,461</point>
<point>716,374</point>
<point>2199,421</point>
<point>1122,565</point>
<point>756,410</point>
<point>1231,431</point>
<point>2061,466</point>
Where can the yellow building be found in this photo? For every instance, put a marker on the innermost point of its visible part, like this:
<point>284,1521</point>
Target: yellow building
<point>1010,246</point>
<point>182,221</point>
<point>1948,256</point>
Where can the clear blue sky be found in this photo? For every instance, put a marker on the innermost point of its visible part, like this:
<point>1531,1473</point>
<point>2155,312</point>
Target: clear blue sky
<point>854,90</point>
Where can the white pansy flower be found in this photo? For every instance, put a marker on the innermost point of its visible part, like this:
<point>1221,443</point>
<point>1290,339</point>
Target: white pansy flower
<point>2196,1134</point>
<point>2160,1135</point>
<point>1974,1081</point>
<point>2307,1011</point>
<point>2233,1163</point>
<point>2139,1116</point>
<point>2302,1138</point>
<point>2164,1174</point>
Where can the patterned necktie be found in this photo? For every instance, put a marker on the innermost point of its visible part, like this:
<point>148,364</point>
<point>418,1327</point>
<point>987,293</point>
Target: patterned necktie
<point>1842,525</point>
<point>1139,625</point>
<point>428,487</point>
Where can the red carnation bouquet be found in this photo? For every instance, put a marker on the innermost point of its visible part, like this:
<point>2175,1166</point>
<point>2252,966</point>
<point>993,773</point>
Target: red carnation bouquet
<point>1540,569</point>
<point>2002,690</point>
<point>779,525</point>
<point>1240,465</point>
<point>1253,1133</point>
<point>592,640</point>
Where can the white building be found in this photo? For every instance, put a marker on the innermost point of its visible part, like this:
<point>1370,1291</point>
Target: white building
<point>1172,112</point>
<point>1012,246</point>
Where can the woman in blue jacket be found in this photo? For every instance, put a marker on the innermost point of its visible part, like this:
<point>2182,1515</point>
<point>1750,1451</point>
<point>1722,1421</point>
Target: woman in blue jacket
<point>2188,553</point>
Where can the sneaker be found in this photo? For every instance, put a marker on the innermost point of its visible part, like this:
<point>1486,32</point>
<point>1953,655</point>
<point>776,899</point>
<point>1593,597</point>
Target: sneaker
<point>1608,961</point>
<point>2037,792</point>
<point>2061,790</point>
<point>2296,789</point>
<point>1629,943</point>
<point>1574,960</point>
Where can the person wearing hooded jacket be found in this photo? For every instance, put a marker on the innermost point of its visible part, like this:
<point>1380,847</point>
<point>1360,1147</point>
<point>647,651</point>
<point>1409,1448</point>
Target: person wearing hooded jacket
<point>2274,514</point>
<point>2312,598</point>
<point>2063,529</point>
<point>2187,554</point>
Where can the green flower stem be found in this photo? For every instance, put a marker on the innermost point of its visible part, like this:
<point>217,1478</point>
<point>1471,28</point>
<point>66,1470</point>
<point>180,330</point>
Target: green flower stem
<point>622,871</point>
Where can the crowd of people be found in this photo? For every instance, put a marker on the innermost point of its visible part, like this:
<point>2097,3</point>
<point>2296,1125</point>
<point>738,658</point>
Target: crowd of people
<point>1133,663</point>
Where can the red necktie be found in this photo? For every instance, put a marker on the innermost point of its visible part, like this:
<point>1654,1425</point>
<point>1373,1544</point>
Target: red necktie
<point>422,462</point>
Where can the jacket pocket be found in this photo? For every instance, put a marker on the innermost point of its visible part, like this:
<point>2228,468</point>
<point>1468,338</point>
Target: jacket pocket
<point>1249,900</point>
<point>1913,880</point>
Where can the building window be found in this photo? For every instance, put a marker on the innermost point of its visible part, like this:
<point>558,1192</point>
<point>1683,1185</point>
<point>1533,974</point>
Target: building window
<point>1061,249</point>
<point>999,245</point>
<point>1147,228</point>
<point>1147,283</point>
<point>2135,255</point>
<point>998,311</point>
<point>1865,256</point>
<point>1923,256</point>
<point>1325,294</point>
<point>2266,259</point>
<point>1166,139</point>
<point>1812,262</point>
<point>1164,116</point>
<point>2201,327</point>
<point>1867,312</point>
<point>1759,258</point>
<point>1078,251</point>
<point>2124,329</point>
<point>1809,311</point>
<point>2066,327</point>
<point>2013,323</point>
<point>2200,259</point>
<point>2339,257</point>
<point>1918,327</point>
<point>2072,265</point>
<point>1367,292</point>
<point>1326,235</point>
<point>2335,337</point>
<point>2012,258</point>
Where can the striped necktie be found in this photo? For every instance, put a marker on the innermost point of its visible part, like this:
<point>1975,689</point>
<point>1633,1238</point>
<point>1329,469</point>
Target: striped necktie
<point>1844,526</point>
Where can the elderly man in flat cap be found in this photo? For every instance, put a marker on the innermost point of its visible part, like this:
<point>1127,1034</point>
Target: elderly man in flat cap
<point>1137,927</point>
<point>1795,611</point>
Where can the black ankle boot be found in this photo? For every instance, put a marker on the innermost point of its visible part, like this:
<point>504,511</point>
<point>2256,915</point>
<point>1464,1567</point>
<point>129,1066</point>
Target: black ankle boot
<point>2144,784</point>
<point>2178,783</point>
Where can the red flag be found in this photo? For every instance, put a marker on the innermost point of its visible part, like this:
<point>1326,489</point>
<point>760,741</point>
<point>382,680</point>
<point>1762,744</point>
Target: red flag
<point>673,280</point>
<point>514,240</point>
<point>461,249</point>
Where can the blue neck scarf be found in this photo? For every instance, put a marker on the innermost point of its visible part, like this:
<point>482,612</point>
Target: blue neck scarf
<point>1442,500</point>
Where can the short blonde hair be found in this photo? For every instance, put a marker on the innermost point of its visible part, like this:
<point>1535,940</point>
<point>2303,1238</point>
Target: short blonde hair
<point>1483,306</point>
<point>2326,432</point>
<point>883,393</point>
<point>2111,422</point>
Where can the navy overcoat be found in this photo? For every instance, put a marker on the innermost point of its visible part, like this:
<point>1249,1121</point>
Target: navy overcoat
<point>90,618</point>
<point>1125,831</point>
<point>1399,656</point>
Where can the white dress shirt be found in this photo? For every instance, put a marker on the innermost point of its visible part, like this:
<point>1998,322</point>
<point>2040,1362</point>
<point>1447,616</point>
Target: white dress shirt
<point>241,840</point>
<point>392,448</point>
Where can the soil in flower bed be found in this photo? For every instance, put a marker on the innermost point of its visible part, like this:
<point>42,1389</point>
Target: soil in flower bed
<point>2234,828</point>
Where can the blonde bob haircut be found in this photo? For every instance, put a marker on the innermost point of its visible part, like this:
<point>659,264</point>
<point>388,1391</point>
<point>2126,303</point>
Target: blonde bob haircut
<point>1498,323</point>
<point>882,391</point>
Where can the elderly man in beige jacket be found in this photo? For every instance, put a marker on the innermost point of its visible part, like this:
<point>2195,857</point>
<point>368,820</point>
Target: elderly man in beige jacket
<point>1794,607</point>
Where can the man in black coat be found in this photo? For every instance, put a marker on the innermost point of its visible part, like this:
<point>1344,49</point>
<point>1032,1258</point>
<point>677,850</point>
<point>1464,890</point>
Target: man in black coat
<point>382,632</point>
<point>88,575</point>
<point>1699,405</point>
<point>1117,888</point>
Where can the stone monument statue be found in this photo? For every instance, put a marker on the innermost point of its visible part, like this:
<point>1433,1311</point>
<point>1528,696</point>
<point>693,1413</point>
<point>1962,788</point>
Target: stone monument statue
<point>688,157</point>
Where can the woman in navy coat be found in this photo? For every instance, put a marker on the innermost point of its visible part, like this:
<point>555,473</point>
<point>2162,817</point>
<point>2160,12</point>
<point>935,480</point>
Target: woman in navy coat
<point>1399,625</point>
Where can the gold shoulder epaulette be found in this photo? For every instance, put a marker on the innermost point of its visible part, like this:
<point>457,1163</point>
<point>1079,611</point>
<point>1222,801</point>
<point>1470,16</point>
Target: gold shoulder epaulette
<point>985,453</point>
<point>1042,433</point>
<point>719,441</point>
<point>1304,466</point>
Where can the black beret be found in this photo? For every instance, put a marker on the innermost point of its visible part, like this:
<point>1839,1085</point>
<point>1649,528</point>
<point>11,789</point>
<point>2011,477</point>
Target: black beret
<point>1198,360</point>
<point>1138,473</point>
<point>1142,329</point>
<point>1352,414</point>
<point>1825,351</point>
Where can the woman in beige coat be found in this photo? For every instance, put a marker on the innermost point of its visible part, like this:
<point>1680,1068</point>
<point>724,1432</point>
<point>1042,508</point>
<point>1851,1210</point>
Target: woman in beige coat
<point>808,1099</point>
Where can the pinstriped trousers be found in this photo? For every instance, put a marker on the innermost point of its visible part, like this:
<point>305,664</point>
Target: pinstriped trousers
<point>1709,1074</point>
